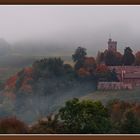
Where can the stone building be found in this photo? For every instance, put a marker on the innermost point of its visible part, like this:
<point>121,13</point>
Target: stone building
<point>112,45</point>
<point>114,86</point>
<point>128,74</point>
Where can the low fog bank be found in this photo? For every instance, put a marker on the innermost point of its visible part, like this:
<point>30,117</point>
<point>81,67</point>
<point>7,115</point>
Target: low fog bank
<point>33,107</point>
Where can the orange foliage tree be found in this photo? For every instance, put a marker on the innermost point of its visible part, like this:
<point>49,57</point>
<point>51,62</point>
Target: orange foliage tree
<point>89,65</point>
<point>137,58</point>
<point>102,68</point>
<point>20,81</point>
<point>82,72</point>
<point>10,83</point>
<point>12,126</point>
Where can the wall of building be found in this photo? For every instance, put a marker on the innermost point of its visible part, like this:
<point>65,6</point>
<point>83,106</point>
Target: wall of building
<point>114,86</point>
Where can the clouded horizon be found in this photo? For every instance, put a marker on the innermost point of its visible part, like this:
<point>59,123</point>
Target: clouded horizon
<point>72,25</point>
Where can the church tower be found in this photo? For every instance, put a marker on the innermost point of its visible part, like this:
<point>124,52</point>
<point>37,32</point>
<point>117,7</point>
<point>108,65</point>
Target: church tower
<point>112,45</point>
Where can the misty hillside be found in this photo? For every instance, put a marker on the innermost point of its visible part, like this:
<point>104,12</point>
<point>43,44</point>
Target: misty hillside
<point>24,53</point>
<point>41,89</point>
<point>124,95</point>
<point>41,48</point>
<point>16,56</point>
<point>5,47</point>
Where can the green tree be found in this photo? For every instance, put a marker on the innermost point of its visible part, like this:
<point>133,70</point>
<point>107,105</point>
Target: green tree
<point>85,116</point>
<point>128,57</point>
<point>78,57</point>
<point>110,58</point>
<point>131,124</point>
<point>48,67</point>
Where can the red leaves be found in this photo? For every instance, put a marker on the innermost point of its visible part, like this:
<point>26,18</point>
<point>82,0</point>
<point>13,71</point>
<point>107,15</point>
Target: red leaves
<point>101,68</point>
<point>88,67</point>
<point>12,126</point>
<point>10,83</point>
<point>28,71</point>
<point>137,55</point>
<point>82,72</point>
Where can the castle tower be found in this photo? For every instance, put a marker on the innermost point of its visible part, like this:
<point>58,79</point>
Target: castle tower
<point>112,45</point>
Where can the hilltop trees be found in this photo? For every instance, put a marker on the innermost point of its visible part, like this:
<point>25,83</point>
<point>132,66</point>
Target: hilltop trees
<point>112,58</point>
<point>78,57</point>
<point>48,67</point>
<point>137,58</point>
<point>88,67</point>
<point>84,66</point>
<point>119,57</point>
<point>128,57</point>
<point>100,57</point>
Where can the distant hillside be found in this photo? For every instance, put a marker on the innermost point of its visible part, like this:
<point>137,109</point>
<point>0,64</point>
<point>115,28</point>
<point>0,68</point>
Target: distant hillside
<point>37,48</point>
<point>5,47</point>
<point>23,54</point>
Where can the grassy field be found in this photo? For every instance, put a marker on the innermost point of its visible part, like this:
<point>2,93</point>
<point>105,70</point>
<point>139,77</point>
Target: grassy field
<point>105,96</point>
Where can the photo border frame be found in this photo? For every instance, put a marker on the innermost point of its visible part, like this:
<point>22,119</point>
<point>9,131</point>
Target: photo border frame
<point>67,136</point>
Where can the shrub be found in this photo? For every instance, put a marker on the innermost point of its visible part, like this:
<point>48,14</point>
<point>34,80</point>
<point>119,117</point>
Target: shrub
<point>12,126</point>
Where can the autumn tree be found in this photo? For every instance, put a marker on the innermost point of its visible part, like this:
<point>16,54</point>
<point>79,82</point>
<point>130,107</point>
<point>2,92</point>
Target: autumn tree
<point>12,125</point>
<point>78,57</point>
<point>89,63</point>
<point>137,58</point>
<point>128,57</point>
<point>88,69</point>
<point>100,57</point>
<point>101,69</point>
<point>85,116</point>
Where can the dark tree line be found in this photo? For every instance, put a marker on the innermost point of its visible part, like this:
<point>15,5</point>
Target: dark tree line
<point>111,58</point>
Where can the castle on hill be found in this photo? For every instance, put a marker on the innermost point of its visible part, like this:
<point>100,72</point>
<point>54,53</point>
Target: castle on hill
<point>129,76</point>
<point>112,45</point>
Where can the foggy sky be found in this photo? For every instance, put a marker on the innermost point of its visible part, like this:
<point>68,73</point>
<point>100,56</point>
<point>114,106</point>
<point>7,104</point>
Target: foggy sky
<point>72,26</point>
